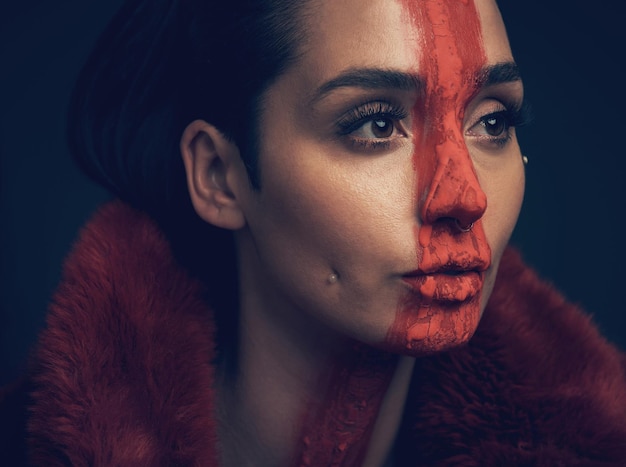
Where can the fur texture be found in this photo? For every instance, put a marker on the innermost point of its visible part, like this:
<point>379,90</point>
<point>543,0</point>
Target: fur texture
<point>125,363</point>
<point>536,386</point>
<point>124,371</point>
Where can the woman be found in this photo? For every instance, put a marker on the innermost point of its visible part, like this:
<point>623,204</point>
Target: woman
<point>306,286</point>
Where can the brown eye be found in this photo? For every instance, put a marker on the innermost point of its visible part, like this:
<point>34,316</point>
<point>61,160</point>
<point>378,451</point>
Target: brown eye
<point>495,124</point>
<point>382,128</point>
<point>373,126</point>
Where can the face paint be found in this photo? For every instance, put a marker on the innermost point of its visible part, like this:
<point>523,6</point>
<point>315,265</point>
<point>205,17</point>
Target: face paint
<point>337,429</point>
<point>442,307</point>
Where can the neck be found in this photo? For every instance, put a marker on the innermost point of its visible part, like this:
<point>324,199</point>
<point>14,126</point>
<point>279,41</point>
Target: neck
<point>302,395</point>
<point>355,421</point>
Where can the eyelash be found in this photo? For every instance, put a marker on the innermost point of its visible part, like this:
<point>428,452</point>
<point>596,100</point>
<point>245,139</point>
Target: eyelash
<point>371,112</point>
<point>515,115</point>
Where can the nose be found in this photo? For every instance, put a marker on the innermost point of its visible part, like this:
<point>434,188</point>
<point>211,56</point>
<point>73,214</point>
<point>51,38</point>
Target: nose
<point>455,193</point>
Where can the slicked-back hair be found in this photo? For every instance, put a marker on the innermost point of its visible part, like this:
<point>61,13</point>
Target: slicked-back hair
<point>159,65</point>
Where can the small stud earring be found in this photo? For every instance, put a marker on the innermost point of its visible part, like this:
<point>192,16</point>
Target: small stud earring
<point>525,160</point>
<point>333,278</point>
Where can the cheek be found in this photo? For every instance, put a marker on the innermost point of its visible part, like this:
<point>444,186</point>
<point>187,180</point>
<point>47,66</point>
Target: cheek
<point>505,194</point>
<point>337,208</point>
<point>319,196</point>
<point>505,197</point>
<point>295,218</point>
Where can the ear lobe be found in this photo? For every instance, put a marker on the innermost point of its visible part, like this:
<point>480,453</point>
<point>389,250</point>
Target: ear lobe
<point>213,168</point>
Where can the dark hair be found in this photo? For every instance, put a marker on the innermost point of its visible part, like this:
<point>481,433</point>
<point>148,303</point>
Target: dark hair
<point>159,65</point>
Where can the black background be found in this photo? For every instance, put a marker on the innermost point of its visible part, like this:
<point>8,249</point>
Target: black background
<point>572,223</point>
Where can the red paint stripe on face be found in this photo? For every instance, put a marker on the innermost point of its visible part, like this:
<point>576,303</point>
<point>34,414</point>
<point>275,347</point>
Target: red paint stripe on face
<point>442,309</point>
<point>337,428</point>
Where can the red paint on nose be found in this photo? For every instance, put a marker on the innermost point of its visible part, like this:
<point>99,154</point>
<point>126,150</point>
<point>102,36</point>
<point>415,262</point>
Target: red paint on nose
<point>448,191</point>
<point>447,182</point>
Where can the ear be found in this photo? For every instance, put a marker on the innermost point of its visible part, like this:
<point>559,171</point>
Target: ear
<point>214,173</point>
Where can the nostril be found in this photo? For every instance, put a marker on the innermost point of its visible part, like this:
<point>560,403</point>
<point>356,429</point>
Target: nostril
<point>458,212</point>
<point>456,224</point>
<point>461,228</point>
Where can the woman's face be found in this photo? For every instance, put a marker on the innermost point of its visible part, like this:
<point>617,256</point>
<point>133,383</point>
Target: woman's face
<point>380,147</point>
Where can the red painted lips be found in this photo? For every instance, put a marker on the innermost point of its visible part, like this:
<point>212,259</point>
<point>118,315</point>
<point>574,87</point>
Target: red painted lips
<point>451,286</point>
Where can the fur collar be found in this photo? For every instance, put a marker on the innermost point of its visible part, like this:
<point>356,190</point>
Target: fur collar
<point>536,386</point>
<point>124,370</point>
<point>126,356</point>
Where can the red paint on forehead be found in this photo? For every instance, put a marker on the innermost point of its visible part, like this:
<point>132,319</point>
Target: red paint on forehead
<point>440,312</point>
<point>451,58</point>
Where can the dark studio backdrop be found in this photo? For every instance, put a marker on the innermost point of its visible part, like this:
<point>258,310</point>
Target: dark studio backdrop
<point>572,224</point>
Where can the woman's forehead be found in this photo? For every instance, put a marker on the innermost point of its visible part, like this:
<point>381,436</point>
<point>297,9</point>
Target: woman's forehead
<point>353,33</point>
<point>345,34</point>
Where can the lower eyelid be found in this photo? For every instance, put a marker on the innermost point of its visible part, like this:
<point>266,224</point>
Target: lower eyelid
<point>493,142</point>
<point>375,144</point>
<point>371,145</point>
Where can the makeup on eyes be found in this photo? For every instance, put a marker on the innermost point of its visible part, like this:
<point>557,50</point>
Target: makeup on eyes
<point>368,112</point>
<point>373,126</point>
<point>384,102</point>
<point>492,123</point>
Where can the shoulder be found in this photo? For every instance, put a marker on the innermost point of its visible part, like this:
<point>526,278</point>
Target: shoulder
<point>537,385</point>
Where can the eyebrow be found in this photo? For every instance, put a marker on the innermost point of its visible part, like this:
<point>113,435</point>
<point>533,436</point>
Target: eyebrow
<point>370,78</point>
<point>376,78</point>
<point>505,72</point>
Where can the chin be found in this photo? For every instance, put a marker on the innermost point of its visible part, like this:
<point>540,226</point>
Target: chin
<point>421,328</point>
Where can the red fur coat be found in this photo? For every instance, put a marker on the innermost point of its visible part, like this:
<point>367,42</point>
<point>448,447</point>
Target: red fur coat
<point>122,375</point>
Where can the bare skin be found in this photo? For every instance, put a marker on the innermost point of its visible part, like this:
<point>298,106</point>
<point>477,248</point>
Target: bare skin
<point>335,244</point>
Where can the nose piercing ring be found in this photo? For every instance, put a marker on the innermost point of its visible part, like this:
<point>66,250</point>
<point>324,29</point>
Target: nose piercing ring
<point>467,228</point>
